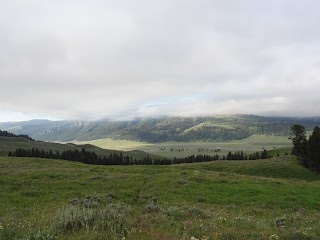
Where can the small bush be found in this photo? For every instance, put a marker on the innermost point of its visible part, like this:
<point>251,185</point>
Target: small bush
<point>42,235</point>
<point>94,201</point>
<point>152,208</point>
<point>201,199</point>
<point>73,217</point>
<point>146,198</point>
<point>197,212</point>
<point>111,219</point>
<point>174,212</point>
<point>182,182</point>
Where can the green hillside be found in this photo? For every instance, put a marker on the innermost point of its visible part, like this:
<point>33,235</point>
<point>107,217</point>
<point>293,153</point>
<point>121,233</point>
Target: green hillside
<point>12,143</point>
<point>155,130</point>
<point>53,199</point>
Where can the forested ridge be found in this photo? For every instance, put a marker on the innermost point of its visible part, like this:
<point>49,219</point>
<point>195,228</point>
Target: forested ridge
<point>8,134</point>
<point>153,130</point>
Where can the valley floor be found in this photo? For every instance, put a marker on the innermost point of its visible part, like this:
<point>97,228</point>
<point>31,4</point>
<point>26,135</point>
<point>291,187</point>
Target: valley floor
<point>251,144</point>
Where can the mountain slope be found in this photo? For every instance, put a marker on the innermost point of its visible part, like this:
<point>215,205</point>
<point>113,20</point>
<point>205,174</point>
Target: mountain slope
<point>218,128</point>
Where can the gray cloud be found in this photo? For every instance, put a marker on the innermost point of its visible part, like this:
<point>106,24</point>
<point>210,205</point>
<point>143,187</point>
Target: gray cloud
<point>95,59</point>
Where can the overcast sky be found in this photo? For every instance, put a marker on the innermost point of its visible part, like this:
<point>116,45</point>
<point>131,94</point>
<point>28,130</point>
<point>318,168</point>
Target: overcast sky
<point>73,59</point>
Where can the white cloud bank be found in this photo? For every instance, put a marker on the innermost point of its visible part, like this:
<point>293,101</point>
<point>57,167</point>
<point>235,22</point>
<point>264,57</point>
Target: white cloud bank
<point>95,59</point>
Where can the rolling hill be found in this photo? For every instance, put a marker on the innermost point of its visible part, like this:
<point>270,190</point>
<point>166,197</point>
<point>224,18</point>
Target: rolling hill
<point>12,143</point>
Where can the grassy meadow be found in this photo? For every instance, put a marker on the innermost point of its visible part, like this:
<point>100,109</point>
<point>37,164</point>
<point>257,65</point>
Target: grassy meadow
<point>251,144</point>
<point>54,199</point>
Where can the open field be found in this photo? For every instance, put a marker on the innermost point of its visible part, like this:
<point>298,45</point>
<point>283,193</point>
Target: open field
<point>55,199</point>
<point>251,144</point>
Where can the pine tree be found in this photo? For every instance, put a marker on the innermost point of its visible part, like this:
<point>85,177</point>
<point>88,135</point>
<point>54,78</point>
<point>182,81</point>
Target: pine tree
<point>299,141</point>
<point>313,161</point>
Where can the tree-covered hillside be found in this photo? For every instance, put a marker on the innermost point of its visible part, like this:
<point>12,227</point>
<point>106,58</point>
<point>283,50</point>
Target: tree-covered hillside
<point>219,128</point>
<point>8,134</point>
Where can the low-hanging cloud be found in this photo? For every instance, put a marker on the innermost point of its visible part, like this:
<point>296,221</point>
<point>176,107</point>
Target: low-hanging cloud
<point>121,59</point>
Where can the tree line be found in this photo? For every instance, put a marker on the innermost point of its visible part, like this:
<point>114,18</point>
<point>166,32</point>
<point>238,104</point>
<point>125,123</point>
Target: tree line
<point>307,150</point>
<point>8,134</point>
<point>206,133</point>
<point>90,157</point>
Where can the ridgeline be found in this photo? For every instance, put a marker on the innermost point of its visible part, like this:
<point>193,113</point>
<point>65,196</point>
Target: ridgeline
<point>155,130</point>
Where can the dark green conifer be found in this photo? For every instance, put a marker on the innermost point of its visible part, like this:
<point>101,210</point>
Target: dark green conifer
<point>313,161</point>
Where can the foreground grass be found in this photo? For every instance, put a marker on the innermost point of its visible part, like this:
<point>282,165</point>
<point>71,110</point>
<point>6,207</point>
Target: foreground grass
<point>52,199</point>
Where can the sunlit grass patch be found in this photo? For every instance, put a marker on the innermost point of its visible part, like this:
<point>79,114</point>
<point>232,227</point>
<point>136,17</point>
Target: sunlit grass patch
<point>249,145</point>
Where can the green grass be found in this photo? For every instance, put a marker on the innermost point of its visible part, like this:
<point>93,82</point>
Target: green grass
<point>108,143</point>
<point>44,199</point>
<point>251,144</point>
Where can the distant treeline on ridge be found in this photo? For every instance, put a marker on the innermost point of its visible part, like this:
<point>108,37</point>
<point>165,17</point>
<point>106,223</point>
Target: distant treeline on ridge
<point>8,134</point>
<point>90,157</point>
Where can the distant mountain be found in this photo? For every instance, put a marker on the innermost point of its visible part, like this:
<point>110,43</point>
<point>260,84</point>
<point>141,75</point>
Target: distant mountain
<point>219,128</point>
